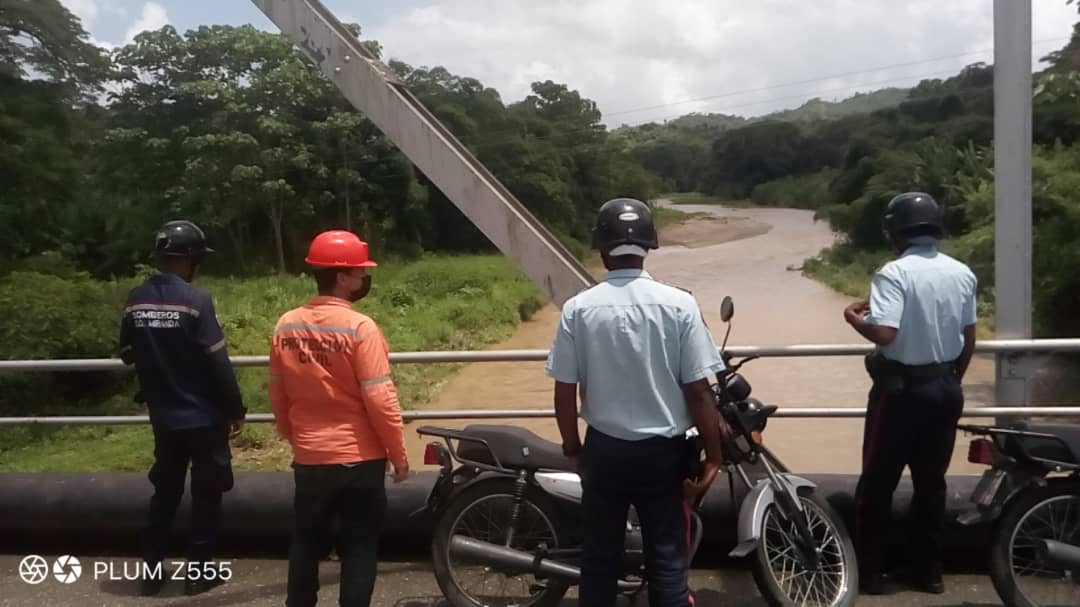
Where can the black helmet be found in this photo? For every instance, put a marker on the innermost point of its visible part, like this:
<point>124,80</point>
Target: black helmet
<point>913,214</point>
<point>181,238</point>
<point>624,221</point>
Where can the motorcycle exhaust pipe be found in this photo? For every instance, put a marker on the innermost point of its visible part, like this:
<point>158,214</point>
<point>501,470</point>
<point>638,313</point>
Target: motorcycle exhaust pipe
<point>1058,554</point>
<point>509,558</point>
<point>501,556</point>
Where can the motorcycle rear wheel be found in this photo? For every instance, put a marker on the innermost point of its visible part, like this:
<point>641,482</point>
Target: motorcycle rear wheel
<point>1020,577</point>
<point>482,512</point>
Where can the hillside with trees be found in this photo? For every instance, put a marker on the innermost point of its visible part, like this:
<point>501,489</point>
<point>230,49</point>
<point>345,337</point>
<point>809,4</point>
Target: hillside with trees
<point>234,127</point>
<point>937,139</point>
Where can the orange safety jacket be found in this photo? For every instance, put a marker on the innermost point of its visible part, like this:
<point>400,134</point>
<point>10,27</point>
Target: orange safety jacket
<point>330,386</point>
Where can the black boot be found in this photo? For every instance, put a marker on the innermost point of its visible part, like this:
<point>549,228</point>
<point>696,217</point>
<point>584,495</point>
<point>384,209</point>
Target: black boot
<point>193,587</point>
<point>876,584</point>
<point>151,585</point>
<point>923,581</point>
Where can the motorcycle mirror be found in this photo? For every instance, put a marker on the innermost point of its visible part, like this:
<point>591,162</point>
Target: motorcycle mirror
<point>727,308</point>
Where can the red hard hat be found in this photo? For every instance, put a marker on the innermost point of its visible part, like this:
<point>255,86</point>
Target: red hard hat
<point>339,249</point>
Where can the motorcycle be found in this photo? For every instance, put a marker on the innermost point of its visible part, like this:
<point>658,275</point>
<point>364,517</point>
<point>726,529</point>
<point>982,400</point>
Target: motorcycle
<point>506,514</point>
<point>1031,496</point>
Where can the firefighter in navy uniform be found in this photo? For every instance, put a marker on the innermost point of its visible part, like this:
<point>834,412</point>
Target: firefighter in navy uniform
<point>643,358</point>
<point>171,334</point>
<point>921,315</point>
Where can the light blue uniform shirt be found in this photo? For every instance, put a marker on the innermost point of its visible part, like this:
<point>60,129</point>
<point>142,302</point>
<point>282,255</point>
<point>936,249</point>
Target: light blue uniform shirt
<point>929,298</point>
<point>632,343</point>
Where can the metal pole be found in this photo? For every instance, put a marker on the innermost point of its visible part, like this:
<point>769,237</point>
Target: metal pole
<point>1012,192</point>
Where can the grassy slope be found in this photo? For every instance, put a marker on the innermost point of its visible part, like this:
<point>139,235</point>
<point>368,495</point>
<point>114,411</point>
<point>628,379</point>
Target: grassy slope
<point>699,198</point>
<point>666,218</point>
<point>438,303</point>
<point>849,271</point>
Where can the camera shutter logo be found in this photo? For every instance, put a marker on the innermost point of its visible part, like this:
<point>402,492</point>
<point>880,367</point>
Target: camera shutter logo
<point>33,569</point>
<point>67,569</point>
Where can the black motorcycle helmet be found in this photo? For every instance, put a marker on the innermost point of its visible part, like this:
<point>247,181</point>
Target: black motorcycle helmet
<point>624,221</point>
<point>913,214</point>
<point>181,238</point>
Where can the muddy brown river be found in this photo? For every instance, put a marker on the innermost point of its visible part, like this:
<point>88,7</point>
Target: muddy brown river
<point>747,254</point>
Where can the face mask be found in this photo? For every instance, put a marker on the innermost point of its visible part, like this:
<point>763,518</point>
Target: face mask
<point>362,291</point>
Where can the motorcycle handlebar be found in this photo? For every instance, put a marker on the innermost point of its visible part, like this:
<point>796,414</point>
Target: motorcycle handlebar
<point>732,369</point>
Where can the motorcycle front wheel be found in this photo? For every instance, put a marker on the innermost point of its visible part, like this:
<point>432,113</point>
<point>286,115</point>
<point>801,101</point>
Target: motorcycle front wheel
<point>484,512</point>
<point>1020,575</point>
<point>783,578</point>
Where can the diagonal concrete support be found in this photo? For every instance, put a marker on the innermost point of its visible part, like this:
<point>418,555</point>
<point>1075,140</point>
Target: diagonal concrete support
<point>375,90</point>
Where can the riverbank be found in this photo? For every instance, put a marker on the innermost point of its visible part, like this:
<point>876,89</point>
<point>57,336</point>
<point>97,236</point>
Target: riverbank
<point>758,265</point>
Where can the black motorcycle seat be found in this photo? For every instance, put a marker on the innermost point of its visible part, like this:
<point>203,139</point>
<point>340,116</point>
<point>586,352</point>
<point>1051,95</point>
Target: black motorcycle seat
<point>1048,448</point>
<point>514,447</point>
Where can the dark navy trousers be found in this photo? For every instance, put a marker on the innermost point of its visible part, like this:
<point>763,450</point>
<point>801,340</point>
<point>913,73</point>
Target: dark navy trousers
<point>647,474</point>
<point>207,451</point>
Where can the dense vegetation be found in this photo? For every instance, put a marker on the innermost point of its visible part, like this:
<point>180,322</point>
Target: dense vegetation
<point>435,303</point>
<point>937,139</point>
<point>234,127</point>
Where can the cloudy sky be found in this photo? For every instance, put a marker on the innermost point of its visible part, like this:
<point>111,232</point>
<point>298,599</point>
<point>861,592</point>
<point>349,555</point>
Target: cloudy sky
<point>642,62</point>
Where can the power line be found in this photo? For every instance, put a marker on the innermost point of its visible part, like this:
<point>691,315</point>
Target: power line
<point>488,143</point>
<point>953,71</point>
<point>813,80</point>
<point>813,94</point>
<point>491,143</point>
<point>357,164</point>
<point>511,132</point>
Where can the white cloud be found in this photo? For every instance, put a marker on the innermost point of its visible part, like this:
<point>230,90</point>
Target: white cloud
<point>85,10</point>
<point>119,11</point>
<point>631,54</point>
<point>153,17</point>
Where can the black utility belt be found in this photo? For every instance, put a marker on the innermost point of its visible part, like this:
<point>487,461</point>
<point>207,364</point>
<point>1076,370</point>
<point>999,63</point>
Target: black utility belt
<point>880,367</point>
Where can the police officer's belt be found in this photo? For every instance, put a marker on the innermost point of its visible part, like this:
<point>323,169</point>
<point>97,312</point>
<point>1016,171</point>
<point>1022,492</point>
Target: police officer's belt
<point>880,367</point>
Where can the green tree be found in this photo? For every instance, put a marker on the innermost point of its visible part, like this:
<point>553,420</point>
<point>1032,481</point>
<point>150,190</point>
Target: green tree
<point>48,73</point>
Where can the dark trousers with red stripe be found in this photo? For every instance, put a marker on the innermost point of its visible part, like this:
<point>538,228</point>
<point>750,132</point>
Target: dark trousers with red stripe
<point>648,474</point>
<point>912,427</point>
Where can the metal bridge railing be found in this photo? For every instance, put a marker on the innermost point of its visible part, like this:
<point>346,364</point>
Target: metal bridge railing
<point>1004,346</point>
<point>466,414</point>
<point>1015,346</point>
